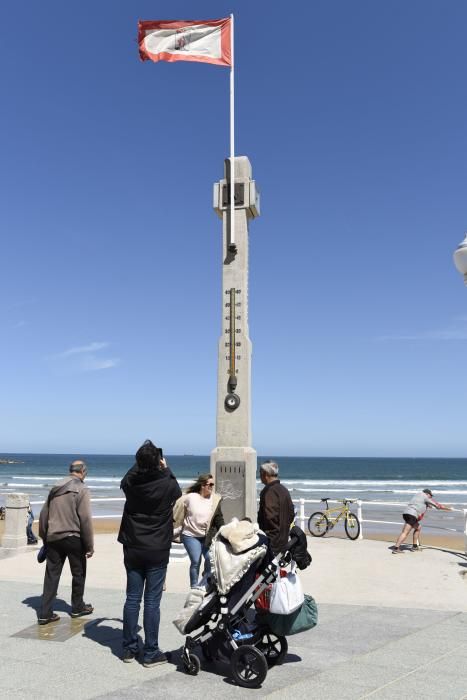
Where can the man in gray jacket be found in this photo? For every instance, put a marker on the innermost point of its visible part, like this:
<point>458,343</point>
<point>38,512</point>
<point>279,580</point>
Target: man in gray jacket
<point>65,526</point>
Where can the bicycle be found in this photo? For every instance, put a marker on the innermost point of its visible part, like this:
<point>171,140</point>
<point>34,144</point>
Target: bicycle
<point>321,522</point>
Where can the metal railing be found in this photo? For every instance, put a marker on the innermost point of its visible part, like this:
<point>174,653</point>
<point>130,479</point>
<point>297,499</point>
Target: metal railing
<point>303,517</point>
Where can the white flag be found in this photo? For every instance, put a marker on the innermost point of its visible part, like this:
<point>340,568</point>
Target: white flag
<point>205,41</point>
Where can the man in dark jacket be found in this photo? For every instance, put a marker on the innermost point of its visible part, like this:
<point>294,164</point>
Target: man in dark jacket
<point>146,534</point>
<point>65,526</point>
<point>276,511</point>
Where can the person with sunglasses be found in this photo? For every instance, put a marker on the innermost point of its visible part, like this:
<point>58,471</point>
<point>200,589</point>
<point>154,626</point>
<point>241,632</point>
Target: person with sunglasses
<point>199,513</point>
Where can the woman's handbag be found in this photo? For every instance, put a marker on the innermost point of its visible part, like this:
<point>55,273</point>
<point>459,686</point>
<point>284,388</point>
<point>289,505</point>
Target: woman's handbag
<point>305,618</point>
<point>42,554</point>
<point>286,594</point>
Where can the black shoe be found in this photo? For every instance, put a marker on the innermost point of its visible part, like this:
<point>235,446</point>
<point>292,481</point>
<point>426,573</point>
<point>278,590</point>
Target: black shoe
<point>46,620</point>
<point>87,610</point>
<point>129,656</point>
<point>32,541</point>
<point>156,661</point>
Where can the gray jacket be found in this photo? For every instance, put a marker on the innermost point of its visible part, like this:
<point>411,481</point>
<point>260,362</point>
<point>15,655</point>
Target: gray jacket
<point>67,512</point>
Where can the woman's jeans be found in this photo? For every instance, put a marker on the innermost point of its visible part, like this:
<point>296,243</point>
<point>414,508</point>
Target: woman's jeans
<point>151,581</point>
<point>195,548</point>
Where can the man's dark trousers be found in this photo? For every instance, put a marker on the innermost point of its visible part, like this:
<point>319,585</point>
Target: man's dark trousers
<point>57,552</point>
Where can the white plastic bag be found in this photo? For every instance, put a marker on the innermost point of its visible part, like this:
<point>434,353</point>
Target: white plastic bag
<point>287,594</point>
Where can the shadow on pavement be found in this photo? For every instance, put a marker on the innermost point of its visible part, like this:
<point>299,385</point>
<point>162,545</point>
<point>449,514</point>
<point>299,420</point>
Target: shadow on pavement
<point>34,602</point>
<point>106,635</point>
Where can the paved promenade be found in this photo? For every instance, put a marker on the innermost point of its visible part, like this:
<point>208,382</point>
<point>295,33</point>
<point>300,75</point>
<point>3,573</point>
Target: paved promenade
<point>389,627</point>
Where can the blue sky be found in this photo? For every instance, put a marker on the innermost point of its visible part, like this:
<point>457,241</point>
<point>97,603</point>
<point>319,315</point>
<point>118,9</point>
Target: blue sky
<point>353,116</point>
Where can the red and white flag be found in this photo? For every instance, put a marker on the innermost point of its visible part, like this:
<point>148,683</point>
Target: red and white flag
<point>206,41</point>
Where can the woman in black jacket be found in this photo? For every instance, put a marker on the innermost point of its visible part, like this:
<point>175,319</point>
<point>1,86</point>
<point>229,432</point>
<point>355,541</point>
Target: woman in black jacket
<point>146,533</point>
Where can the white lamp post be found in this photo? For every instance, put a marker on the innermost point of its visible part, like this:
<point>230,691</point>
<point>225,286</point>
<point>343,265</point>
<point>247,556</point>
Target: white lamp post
<point>460,258</point>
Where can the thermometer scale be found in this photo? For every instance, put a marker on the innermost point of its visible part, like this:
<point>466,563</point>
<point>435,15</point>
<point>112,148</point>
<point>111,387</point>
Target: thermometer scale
<point>232,400</point>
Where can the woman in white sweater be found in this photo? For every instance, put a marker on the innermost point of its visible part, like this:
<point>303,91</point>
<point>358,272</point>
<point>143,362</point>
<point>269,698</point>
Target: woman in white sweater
<point>200,515</point>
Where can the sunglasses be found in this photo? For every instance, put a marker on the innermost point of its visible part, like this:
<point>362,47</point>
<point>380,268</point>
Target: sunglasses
<point>210,483</point>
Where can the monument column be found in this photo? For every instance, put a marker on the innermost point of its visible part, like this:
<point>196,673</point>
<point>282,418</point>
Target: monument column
<point>233,461</point>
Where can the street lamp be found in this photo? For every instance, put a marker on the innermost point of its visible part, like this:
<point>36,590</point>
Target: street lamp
<point>460,258</point>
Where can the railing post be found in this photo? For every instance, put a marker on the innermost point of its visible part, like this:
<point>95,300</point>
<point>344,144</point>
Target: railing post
<point>360,519</point>
<point>301,515</point>
<point>465,530</point>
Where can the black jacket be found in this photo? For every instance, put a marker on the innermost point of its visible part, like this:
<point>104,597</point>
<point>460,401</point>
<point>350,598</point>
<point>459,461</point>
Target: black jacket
<point>276,514</point>
<point>147,516</point>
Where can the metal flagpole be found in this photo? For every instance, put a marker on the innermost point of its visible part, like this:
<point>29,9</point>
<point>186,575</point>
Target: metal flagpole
<point>232,245</point>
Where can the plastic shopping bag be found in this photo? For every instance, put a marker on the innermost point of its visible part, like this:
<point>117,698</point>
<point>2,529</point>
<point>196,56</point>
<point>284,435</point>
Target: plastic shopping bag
<point>287,594</point>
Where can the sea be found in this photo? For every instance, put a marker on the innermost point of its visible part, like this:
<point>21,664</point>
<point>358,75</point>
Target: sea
<point>377,482</point>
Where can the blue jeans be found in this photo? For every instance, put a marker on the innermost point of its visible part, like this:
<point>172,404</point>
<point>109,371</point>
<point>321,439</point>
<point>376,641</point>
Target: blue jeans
<point>151,581</point>
<point>195,548</point>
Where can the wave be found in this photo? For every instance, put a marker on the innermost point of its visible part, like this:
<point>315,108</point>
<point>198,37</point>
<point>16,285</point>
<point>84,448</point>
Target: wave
<point>376,482</point>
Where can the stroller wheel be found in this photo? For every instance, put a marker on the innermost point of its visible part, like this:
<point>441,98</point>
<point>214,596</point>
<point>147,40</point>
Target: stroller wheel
<point>192,665</point>
<point>273,647</point>
<point>249,667</point>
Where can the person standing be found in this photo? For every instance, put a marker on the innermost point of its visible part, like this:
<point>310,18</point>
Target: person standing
<point>199,513</point>
<point>413,515</point>
<point>146,533</point>
<point>32,539</point>
<point>276,511</point>
<point>65,526</point>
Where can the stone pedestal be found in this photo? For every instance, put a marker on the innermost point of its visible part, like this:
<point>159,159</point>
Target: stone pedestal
<point>233,461</point>
<point>16,516</point>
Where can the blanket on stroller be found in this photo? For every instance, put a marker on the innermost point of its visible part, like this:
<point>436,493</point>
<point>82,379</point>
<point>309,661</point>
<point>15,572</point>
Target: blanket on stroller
<point>233,550</point>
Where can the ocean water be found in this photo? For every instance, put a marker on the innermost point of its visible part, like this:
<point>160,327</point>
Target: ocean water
<point>382,480</point>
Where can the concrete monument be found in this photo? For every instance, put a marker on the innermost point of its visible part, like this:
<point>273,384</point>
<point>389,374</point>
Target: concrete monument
<point>16,513</point>
<point>233,461</point>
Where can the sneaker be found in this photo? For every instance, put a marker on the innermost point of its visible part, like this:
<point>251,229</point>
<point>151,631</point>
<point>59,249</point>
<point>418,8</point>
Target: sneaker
<point>46,620</point>
<point>416,548</point>
<point>86,610</point>
<point>397,551</point>
<point>129,656</point>
<point>156,661</point>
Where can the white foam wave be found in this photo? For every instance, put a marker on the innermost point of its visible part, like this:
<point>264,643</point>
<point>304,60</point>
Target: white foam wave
<point>377,482</point>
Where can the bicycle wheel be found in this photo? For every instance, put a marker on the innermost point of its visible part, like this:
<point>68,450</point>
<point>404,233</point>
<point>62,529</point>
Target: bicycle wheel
<point>318,524</point>
<point>352,526</point>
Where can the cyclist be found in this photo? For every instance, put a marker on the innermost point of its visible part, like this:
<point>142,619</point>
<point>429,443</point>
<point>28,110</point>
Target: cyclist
<point>413,515</point>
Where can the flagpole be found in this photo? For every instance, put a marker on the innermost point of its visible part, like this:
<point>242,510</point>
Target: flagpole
<point>232,245</point>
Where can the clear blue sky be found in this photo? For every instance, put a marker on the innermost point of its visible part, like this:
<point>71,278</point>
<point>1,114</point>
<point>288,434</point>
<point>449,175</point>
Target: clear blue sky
<point>353,115</point>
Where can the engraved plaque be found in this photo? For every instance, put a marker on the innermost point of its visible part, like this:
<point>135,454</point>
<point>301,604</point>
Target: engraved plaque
<point>230,484</point>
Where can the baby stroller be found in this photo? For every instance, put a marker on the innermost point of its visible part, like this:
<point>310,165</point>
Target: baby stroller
<point>224,624</point>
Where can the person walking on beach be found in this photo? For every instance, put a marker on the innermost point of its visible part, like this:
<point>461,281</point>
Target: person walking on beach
<point>65,526</point>
<point>199,514</point>
<point>146,532</point>
<point>276,511</point>
<point>413,515</point>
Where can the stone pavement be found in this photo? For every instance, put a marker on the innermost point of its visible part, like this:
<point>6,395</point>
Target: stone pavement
<point>357,650</point>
